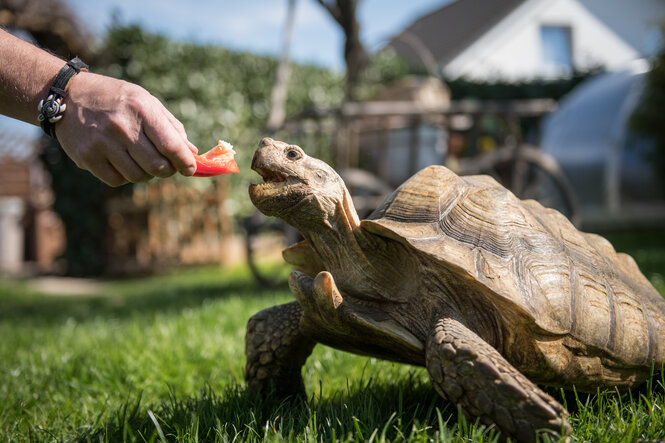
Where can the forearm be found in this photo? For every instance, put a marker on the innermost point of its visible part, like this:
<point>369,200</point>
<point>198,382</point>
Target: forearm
<point>26,73</point>
<point>115,129</point>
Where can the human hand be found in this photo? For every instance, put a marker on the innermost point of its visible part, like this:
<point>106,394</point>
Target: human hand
<point>121,133</point>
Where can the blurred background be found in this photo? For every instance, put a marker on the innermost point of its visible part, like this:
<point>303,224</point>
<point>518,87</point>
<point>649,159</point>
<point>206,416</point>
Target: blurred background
<point>561,100</point>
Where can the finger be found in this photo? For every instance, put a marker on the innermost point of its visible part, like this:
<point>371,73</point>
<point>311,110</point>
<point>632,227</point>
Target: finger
<point>169,142</point>
<point>92,157</point>
<point>148,158</point>
<point>178,126</point>
<point>107,173</point>
<point>127,167</point>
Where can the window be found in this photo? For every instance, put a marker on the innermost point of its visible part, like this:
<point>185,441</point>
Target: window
<point>557,49</point>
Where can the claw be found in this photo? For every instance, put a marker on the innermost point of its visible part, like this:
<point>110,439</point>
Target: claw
<point>326,292</point>
<point>319,295</point>
<point>301,287</point>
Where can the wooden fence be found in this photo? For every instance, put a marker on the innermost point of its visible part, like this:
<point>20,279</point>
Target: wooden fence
<point>165,223</point>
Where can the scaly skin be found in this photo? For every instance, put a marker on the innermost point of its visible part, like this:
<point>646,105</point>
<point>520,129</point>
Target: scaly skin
<point>276,350</point>
<point>347,307</point>
<point>467,371</point>
<point>462,367</point>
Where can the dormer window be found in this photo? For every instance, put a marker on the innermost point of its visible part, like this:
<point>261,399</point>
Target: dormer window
<point>557,50</point>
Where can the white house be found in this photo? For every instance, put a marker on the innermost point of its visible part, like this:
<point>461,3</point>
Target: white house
<point>522,39</point>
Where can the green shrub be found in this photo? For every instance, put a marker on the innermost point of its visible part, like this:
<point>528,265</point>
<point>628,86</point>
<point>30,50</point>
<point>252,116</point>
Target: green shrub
<point>216,93</point>
<point>648,117</point>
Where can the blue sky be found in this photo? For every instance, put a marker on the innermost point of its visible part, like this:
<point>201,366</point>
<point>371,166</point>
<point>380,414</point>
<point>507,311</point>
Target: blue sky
<point>251,25</point>
<point>257,25</point>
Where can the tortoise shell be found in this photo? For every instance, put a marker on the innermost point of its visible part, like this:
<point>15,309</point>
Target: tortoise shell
<point>568,282</point>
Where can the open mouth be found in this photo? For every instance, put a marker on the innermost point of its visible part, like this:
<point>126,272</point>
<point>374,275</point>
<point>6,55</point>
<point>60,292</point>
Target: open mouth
<point>274,179</point>
<point>270,176</point>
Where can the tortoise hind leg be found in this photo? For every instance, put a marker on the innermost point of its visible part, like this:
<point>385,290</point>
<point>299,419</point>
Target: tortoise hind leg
<point>468,371</point>
<point>276,351</point>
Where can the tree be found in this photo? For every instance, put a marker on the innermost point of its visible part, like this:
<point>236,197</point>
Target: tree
<point>280,88</point>
<point>79,196</point>
<point>648,117</point>
<point>51,23</point>
<point>345,14</point>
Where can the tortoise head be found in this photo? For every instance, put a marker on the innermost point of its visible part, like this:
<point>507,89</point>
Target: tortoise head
<point>301,190</point>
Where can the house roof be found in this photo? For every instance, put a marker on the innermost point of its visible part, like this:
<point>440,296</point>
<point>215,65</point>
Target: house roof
<point>449,30</point>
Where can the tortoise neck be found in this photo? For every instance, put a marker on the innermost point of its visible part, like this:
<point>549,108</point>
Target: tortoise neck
<point>336,240</point>
<point>346,212</point>
<point>333,236</point>
<point>344,257</point>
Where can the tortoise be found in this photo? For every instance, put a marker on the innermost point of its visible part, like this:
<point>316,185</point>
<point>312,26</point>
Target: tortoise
<point>490,293</point>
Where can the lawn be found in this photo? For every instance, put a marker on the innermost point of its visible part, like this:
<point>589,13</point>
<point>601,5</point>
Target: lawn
<point>161,359</point>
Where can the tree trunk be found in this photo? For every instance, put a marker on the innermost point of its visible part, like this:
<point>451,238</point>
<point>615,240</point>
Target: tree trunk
<point>280,89</point>
<point>344,12</point>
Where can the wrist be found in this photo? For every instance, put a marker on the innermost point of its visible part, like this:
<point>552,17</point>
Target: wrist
<point>26,73</point>
<point>52,107</point>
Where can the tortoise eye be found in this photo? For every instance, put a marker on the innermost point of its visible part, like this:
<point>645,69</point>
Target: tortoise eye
<point>293,154</point>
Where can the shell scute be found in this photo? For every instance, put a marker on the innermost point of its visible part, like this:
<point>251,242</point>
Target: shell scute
<point>567,281</point>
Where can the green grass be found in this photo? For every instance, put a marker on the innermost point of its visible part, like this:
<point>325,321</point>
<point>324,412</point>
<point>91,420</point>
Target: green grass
<point>161,359</point>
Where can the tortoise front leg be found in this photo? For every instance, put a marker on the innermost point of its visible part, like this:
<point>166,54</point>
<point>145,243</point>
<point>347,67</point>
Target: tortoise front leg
<point>276,351</point>
<point>468,371</point>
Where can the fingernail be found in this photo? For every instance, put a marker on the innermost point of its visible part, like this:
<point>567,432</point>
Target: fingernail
<point>189,171</point>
